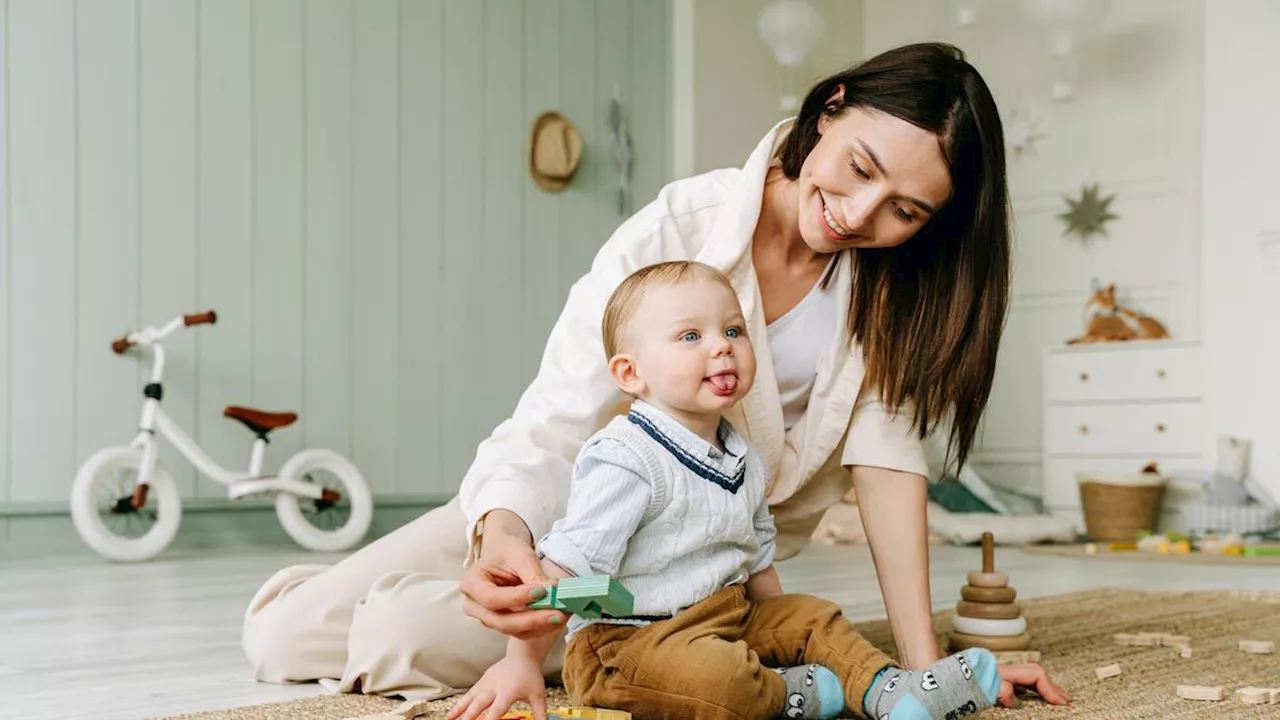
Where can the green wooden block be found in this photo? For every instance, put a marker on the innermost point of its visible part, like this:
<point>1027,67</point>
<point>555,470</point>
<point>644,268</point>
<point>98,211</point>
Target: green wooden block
<point>1261,551</point>
<point>589,597</point>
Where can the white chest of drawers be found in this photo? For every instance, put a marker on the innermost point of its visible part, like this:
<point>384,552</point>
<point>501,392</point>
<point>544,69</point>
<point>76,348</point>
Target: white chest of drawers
<point>1114,407</point>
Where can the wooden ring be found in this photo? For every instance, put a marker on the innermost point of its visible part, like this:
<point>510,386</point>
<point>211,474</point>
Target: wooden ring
<point>988,595</point>
<point>961,641</point>
<point>989,580</point>
<point>989,628</point>
<point>988,611</point>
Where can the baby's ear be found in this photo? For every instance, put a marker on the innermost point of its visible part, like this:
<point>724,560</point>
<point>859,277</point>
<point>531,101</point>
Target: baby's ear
<point>623,369</point>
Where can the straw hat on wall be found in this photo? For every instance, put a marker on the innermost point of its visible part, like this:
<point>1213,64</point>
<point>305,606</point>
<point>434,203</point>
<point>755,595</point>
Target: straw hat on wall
<point>555,149</point>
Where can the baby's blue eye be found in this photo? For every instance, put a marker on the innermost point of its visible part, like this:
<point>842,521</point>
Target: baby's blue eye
<point>691,336</point>
<point>733,332</point>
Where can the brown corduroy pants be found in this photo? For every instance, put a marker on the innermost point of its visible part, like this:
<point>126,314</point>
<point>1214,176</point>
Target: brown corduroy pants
<point>712,661</point>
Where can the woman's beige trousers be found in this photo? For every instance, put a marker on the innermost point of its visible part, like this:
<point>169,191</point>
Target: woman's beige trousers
<point>388,620</point>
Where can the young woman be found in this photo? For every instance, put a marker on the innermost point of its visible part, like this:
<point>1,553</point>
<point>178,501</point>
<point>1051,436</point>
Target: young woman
<point>868,241</point>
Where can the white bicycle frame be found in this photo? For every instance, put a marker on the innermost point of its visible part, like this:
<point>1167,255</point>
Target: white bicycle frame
<point>155,420</point>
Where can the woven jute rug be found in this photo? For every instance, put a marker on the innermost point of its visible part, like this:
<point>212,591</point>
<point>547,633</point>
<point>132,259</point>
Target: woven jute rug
<point>1074,635</point>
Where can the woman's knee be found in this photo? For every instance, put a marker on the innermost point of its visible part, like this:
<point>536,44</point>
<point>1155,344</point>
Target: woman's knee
<point>284,643</point>
<point>410,630</point>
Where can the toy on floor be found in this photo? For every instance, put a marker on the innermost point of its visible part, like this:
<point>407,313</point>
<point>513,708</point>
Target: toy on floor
<point>572,713</point>
<point>987,615</point>
<point>589,597</point>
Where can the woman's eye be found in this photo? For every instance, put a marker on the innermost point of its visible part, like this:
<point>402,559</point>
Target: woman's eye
<point>857,169</point>
<point>691,336</point>
<point>903,214</point>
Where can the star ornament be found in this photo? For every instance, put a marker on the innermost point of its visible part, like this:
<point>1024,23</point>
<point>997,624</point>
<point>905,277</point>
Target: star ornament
<point>1088,216</point>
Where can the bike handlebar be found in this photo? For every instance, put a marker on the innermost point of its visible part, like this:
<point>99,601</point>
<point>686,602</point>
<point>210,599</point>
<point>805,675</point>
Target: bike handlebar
<point>209,317</point>
<point>150,335</point>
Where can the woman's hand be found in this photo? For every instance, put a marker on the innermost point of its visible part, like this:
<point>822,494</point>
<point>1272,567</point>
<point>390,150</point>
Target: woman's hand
<point>1028,675</point>
<point>515,677</point>
<point>506,578</point>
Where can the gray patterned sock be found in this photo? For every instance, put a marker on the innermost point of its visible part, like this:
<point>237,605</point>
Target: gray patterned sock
<point>952,688</point>
<point>813,693</point>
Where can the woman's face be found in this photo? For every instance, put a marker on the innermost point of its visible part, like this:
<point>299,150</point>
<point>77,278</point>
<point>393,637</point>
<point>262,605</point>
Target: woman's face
<point>872,181</point>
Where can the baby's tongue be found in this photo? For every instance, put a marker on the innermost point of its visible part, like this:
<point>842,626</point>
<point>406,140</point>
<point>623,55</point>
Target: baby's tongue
<point>724,383</point>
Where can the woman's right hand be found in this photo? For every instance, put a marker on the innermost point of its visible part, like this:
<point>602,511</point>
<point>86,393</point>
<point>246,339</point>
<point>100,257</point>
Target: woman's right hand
<point>506,578</point>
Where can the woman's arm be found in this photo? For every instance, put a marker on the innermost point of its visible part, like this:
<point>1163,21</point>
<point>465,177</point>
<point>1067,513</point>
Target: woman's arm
<point>893,506</point>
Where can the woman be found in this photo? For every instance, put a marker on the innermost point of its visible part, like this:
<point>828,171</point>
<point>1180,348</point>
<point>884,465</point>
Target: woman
<point>868,241</point>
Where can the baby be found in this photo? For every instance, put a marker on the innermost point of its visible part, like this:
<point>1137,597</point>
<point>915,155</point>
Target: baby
<point>670,500</point>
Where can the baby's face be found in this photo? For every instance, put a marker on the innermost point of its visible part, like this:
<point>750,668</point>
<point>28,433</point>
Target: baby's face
<point>689,346</point>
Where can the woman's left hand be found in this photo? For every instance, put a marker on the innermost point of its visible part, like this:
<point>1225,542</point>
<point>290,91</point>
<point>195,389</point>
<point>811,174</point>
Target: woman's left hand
<point>1030,675</point>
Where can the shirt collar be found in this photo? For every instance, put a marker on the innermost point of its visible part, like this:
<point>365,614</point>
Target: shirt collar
<point>735,444</point>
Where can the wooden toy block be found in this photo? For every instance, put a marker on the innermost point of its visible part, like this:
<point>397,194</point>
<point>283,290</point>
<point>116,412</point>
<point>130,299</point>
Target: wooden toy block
<point>1256,695</point>
<point>1261,551</point>
<point>1017,657</point>
<point>589,597</point>
<point>1108,671</point>
<point>572,713</point>
<point>1212,693</point>
<point>1258,647</point>
<point>590,713</point>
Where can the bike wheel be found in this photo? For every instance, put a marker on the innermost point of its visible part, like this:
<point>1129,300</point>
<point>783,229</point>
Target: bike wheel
<point>103,512</point>
<point>340,519</point>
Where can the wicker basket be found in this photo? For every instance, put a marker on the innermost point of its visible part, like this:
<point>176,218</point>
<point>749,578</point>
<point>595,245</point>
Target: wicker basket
<point>1120,507</point>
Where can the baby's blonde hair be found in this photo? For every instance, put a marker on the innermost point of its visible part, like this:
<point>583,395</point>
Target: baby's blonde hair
<point>626,297</point>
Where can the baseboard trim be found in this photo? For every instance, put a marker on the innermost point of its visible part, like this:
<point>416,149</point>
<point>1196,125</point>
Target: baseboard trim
<point>198,505</point>
<point>206,526</point>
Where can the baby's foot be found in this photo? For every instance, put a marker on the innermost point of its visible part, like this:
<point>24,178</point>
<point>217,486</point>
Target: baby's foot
<point>954,687</point>
<point>813,693</point>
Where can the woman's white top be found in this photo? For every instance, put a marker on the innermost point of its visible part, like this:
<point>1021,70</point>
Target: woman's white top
<point>797,340</point>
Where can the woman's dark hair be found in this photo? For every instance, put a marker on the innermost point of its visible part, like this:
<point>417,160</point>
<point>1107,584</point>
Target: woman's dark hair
<point>929,313</point>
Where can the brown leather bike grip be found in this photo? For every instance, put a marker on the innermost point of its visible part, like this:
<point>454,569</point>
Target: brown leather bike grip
<point>119,346</point>
<point>203,318</point>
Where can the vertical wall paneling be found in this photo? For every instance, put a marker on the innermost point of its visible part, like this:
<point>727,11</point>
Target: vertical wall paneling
<point>422,312</point>
<point>502,253</point>
<point>5,474</point>
<point>468,385</point>
<point>612,50</point>
<point>542,292</point>
<point>328,236</point>
<point>579,235</point>
<point>108,395</point>
<point>344,181</point>
<point>167,205</point>
<point>42,268</point>
<point>648,104</point>
<point>277,215</point>
<point>373,251</point>
<point>225,230</point>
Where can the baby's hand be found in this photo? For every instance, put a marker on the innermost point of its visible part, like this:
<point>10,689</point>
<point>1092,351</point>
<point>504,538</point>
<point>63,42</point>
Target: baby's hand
<point>512,679</point>
<point>1028,675</point>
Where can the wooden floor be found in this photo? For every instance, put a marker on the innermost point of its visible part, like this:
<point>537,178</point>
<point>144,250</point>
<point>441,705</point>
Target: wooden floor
<point>83,639</point>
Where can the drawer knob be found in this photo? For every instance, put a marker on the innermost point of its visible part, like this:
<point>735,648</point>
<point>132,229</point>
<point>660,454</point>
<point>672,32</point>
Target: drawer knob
<point>1084,377</point>
<point>1160,427</point>
<point>1084,429</point>
<point>1161,373</point>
